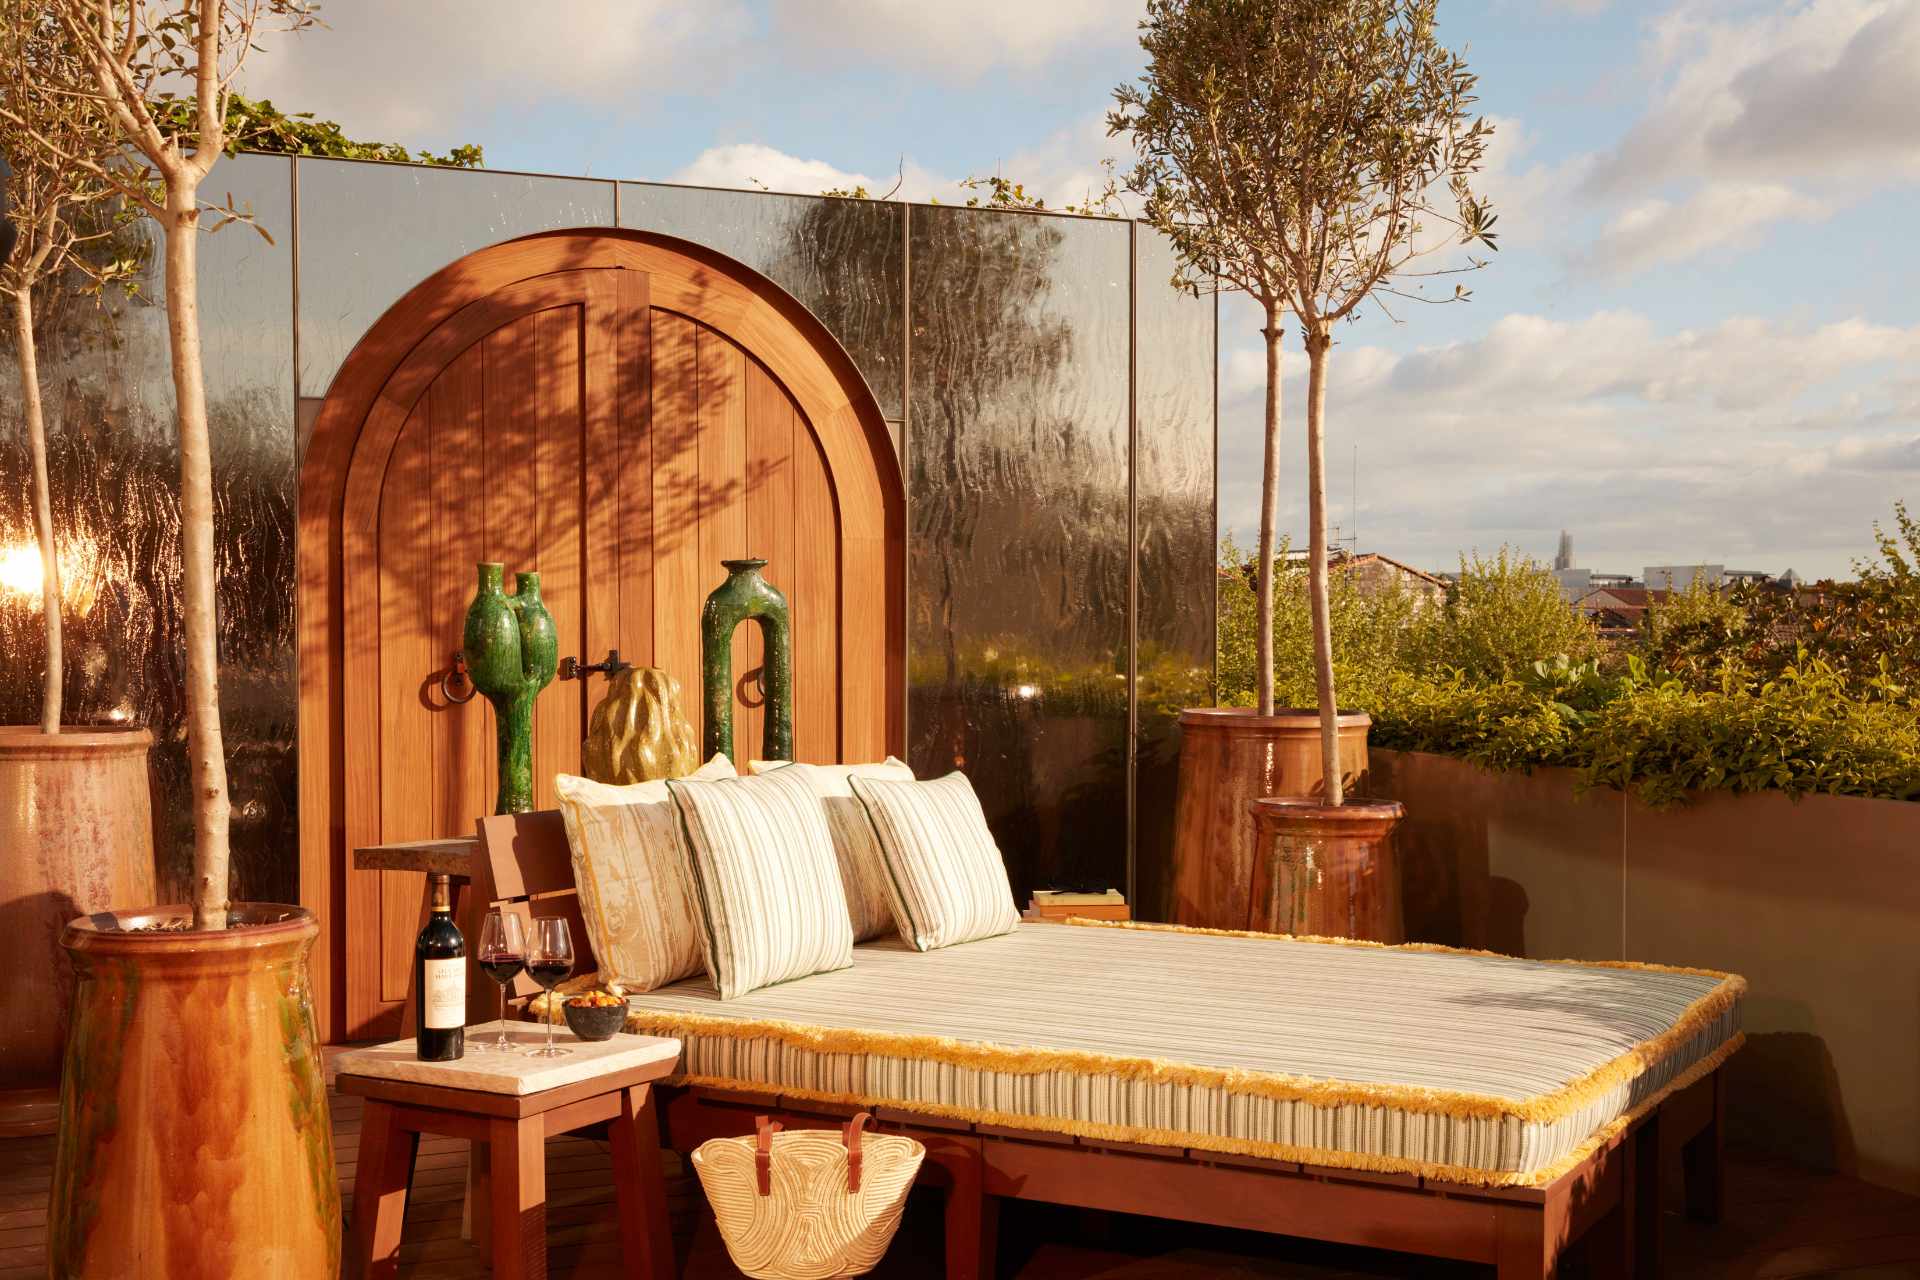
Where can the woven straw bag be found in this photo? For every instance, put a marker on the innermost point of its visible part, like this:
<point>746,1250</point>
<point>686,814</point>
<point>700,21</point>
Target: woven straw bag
<point>808,1204</point>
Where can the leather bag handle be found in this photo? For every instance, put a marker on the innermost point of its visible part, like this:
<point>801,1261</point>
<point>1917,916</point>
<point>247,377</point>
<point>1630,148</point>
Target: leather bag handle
<point>763,1131</point>
<point>850,1134</point>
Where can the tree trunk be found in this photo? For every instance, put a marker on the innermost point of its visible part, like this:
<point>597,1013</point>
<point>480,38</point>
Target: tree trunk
<point>51,597</point>
<point>1319,344</point>
<point>1269,517</point>
<point>205,750</point>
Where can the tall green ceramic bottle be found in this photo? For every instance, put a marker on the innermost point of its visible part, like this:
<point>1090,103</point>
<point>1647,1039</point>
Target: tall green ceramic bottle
<point>745,594</point>
<point>512,652</point>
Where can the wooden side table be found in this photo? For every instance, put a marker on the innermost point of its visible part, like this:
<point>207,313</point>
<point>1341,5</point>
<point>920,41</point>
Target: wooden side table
<point>512,1104</point>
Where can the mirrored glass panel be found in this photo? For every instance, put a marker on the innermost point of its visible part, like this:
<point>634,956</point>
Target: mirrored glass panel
<point>843,259</point>
<point>114,476</point>
<point>1174,533</point>
<point>1018,560</point>
<point>369,232</point>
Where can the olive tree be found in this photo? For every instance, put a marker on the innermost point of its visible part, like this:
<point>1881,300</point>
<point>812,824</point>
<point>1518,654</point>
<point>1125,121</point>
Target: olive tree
<point>1309,153</point>
<point>59,206</point>
<point>137,60</point>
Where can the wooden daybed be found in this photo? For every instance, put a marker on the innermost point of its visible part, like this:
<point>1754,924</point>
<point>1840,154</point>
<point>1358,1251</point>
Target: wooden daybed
<point>1399,1163</point>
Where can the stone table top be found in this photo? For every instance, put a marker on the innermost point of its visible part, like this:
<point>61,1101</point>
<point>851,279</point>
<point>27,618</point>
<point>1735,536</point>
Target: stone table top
<point>490,1071</point>
<point>452,857</point>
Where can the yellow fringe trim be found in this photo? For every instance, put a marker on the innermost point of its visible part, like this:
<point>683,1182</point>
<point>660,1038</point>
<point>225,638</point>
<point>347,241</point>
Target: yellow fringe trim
<point>1281,1086</point>
<point>1465,1175</point>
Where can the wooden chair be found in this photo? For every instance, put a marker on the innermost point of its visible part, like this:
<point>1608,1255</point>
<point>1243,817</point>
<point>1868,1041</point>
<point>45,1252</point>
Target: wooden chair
<point>525,868</point>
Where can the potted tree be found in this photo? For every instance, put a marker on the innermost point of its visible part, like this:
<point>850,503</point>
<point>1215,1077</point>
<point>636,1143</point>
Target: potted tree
<point>74,811</point>
<point>1305,152</point>
<point>194,1135</point>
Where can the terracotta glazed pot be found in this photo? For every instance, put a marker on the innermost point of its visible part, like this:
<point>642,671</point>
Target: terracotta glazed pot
<point>194,1135</point>
<point>76,835</point>
<point>1328,871</point>
<point>1230,757</point>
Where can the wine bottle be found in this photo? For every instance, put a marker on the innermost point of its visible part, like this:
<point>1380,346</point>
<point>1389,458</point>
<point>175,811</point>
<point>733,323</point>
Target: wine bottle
<point>440,982</point>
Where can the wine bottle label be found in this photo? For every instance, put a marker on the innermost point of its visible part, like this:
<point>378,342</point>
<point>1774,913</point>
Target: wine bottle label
<point>444,984</point>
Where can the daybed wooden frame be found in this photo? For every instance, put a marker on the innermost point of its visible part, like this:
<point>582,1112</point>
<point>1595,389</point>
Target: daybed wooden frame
<point>1610,1204</point>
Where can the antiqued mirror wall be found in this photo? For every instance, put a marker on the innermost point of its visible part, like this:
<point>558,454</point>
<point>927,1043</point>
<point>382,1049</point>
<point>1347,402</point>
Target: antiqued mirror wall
<point>115,491</point>
<point>1051,399</point>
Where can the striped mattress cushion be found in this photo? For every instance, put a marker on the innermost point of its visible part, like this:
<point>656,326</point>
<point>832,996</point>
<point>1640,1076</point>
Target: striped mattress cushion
<point>1459,1066</point>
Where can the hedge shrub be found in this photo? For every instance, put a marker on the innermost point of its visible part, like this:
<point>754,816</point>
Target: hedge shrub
<point>1737,692</point>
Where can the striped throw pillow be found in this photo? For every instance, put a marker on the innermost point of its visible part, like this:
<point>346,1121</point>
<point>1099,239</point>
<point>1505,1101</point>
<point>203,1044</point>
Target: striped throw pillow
<point>631,869</point>
<point>766,882</point>
<point>862,874</point>
<point>945,875</point>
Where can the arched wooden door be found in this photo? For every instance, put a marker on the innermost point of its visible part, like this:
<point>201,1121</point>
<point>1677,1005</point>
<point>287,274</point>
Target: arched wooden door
<point>619,412</point>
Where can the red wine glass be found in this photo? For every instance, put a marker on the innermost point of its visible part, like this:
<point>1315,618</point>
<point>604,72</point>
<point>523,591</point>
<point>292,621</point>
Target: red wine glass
<point>549,961</point>
<point>503,954</point>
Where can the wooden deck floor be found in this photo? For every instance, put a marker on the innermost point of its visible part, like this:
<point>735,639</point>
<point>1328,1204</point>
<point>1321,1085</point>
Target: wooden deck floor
<point>1782,1222</point>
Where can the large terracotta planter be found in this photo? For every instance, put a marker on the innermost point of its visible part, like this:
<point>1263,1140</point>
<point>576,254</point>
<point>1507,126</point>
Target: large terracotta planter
<point>76,835</point>
<point>1230,757</point>
<point>194,1136</point>
<point>1327,871</point>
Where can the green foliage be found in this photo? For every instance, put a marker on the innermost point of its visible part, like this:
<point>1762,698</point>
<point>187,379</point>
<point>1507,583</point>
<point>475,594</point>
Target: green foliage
<point>1499,724</point>
<point>1752,689</point>
<point>1696,633</point>
<point>1803,732</point>
<point>1373,624</point>
<point>1503,614</point>
<point>258,125</point>
<point>1867,632</point>
<point>1303,150</point>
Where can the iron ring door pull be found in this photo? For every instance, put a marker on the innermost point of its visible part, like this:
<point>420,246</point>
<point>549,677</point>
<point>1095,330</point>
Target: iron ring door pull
<point>457,677</point>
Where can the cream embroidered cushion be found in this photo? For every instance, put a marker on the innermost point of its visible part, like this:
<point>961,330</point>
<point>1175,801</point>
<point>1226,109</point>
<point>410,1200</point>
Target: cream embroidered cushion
<point>766,883</point>
<point>862,874</point>
<point>630,866</point>
<point>945,875</point>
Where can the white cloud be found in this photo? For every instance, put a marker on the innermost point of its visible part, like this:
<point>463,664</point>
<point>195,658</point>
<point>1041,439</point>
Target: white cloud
<point>1815,111</point>
<point>754,165</point>
<point>412,72</point>
<point>1756,118</point>
<point>1719,215</point>
<point>1065,168</point>
<point>957,42</point>
<point>1652,446</point>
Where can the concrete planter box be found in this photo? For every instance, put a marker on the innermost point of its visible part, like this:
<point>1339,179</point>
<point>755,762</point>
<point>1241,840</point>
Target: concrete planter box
<point>1816,902</point>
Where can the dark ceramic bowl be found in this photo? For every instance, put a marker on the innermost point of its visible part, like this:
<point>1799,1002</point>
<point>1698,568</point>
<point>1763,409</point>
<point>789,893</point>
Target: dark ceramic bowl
<point>595,1023</point>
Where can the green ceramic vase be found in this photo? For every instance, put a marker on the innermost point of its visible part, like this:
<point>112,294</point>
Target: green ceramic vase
<point>745,594</point>
<point>512,652</point>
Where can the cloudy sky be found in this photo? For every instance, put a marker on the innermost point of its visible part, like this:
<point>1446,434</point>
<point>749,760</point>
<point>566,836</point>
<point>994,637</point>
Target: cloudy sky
<point>1700,341</point>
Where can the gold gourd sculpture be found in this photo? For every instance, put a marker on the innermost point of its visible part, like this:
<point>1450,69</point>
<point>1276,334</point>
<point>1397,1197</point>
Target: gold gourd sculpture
<point>638,732</point>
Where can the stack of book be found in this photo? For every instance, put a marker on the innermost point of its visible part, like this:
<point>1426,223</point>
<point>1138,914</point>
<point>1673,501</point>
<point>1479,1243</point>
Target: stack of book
<point>1058,904</point>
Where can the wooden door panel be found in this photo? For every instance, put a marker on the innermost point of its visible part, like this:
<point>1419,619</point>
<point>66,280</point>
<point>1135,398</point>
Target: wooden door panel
<point>406,655</point>
<point>463,736</point>
<point>770,516</point>
<point>558,715</point>
<point>721,378</point>
<point>815,601</point>
<point>678,571</point>
<point>602,423</point>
